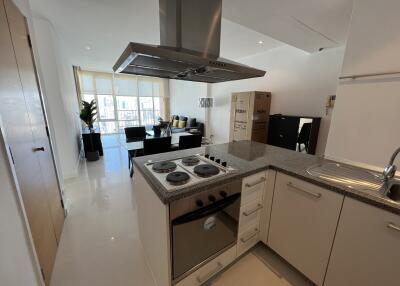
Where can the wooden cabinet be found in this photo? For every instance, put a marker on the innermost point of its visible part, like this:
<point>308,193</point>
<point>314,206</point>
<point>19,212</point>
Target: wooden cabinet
<point>249,116</point>
<point>24,121</point>
<point>303,223</point>
<point>294,132</point>
<point>366,250</point>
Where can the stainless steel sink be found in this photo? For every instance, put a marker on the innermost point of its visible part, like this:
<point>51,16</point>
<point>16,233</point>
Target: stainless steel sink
<point>393,192</point>
<point>357,179</point>
<point>347,176</point>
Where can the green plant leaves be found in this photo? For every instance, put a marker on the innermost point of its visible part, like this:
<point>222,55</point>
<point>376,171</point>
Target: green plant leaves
<point>89,113</point>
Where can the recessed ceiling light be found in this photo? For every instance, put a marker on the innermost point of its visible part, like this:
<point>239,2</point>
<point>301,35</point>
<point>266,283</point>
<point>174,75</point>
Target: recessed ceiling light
<point>88,48</point>
<point>261,42</point>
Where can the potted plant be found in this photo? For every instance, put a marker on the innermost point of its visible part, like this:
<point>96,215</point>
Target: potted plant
<point>88,116</point>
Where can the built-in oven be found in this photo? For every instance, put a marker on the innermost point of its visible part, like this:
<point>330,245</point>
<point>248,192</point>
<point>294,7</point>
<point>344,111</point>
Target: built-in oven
<point>203,226</point>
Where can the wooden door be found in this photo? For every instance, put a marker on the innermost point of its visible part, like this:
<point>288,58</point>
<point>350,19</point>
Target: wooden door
<point>18,122</point>
<point>29,80</point>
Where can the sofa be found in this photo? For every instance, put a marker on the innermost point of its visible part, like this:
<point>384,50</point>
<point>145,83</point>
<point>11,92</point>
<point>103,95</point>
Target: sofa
<point>186,124</point>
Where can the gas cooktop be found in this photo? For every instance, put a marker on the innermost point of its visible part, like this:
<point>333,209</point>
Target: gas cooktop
<point>187,171</point>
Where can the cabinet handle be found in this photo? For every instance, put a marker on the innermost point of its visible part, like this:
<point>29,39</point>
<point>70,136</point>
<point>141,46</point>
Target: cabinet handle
<point>315,195</point>
<point>245,239</point>
<point>249,185</point>
<point>258,207</point>
<point>38,149</point>
<point>393,226</point>
<point>201,280</point>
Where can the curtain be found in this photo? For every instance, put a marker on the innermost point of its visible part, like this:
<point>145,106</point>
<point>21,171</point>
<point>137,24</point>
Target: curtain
<point>124,100</point>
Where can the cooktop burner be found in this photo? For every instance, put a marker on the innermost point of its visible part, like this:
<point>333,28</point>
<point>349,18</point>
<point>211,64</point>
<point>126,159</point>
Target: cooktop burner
<point>190,161</point>
<point>164,167</point>
<point>177,178</point>
<point>206,170</point>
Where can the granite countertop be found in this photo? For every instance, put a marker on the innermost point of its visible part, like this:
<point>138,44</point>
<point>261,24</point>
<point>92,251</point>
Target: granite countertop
<point>251,157</point>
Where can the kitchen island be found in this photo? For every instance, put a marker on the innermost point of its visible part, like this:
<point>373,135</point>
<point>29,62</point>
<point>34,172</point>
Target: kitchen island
<point>279,198</point>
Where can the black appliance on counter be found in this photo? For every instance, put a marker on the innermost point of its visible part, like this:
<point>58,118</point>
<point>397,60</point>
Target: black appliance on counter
<point>294,132</point>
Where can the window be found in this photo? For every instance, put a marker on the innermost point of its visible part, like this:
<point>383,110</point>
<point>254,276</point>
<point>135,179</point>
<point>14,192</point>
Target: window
<point>125,100</point>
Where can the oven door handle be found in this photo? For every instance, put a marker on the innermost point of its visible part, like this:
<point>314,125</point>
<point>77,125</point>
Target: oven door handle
<point>206,211</point>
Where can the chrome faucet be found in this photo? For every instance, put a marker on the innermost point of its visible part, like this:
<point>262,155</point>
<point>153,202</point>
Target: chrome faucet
<point>390,169</point>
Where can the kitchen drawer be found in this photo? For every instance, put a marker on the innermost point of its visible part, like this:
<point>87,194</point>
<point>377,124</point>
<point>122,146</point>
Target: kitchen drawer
<point>250,214</point>
<point>248,239</point>
<point>303,223</point>
<point>210,269</point>
<point>253,188</point>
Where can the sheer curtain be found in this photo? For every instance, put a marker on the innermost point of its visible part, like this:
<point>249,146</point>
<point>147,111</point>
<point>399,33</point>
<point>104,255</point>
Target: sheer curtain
<point>124,100</point>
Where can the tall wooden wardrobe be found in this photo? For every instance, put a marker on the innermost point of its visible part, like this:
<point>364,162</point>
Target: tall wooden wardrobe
<point>25,125</point>
<point>249,116</point>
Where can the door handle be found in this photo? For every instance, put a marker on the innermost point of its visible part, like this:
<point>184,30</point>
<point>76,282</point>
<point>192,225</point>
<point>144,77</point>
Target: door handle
<point>247,213</point>
<point>245,239</point>
<point>310,193</point>
<point>249,185</point>
<point>37,149</point>
<point>201,280</point>
<point>393,226</point>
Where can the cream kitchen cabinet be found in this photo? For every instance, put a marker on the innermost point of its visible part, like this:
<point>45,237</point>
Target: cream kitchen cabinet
<point>251,209</point>
<point>303,222</point>
<point>366,250</point>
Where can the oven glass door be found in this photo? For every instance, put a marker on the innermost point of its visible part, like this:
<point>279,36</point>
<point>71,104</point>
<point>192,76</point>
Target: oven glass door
<point>200,234</point>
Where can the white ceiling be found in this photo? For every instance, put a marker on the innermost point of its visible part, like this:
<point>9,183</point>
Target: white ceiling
<point>305,24</point>
<point>106,26</point>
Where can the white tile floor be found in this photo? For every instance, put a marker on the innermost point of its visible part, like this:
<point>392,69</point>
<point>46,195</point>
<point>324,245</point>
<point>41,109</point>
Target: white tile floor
<point>100,243</point>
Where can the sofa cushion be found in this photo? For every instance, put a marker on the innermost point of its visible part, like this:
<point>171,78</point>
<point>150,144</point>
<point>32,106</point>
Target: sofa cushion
<point>177,130</point>
<point>172,118</point>
<point>175,123</point>
<point>191,122</point>
<point>181,124</point>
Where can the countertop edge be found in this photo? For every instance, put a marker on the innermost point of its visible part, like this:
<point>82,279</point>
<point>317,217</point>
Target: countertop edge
<point>167,198</point>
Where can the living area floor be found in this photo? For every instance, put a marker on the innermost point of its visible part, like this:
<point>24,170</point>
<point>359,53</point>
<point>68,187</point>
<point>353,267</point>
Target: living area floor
<point>100,242</point>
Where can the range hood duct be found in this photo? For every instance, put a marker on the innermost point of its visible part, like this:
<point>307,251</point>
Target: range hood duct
<point>190,32</point>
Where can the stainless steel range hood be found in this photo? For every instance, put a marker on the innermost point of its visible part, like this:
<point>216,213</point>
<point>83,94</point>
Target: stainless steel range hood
<point>190,45</point>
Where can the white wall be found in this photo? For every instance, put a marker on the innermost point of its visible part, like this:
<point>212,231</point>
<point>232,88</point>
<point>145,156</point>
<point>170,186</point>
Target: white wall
<point>185,96</point>
<point>17,261</point>
<point>300,84</point>
<point>58,86</point>
<point>366,116</point>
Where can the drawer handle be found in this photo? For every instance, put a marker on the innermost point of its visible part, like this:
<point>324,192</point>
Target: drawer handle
<point>37,149</point>
<point>245,239</point>
<point>393,226</point>
<point>315,195</point>
<point>259,207</point>
<point>201,280</point>
<point>249,185</point>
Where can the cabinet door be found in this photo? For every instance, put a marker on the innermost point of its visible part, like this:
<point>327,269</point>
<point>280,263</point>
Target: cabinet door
<point>303,223</point>
<point>29,81</point>
<point>283,131</point>
<point>19,131</point>
<point>366,250</point>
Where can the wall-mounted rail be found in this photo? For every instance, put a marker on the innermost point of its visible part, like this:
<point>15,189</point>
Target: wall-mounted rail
<point>369,75</point>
